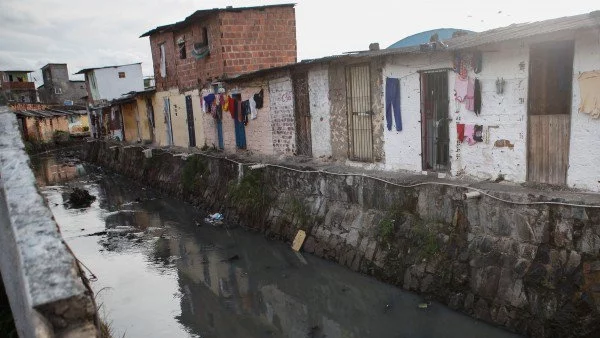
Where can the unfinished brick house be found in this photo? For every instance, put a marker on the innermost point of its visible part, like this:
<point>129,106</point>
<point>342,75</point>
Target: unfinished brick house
<point>205,48</point>
<point>218,43</point>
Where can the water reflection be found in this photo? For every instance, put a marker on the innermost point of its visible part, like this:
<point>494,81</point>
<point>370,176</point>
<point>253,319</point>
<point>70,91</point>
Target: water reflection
<point>169,277</point>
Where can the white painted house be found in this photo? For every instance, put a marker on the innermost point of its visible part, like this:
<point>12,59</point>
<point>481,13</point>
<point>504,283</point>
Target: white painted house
<point>533,125</point>
<point>104,85</point>
<point>112,82</point>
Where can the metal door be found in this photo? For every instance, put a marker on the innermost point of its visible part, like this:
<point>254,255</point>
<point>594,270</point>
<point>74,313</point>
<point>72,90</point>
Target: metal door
<point>302,114</point>
<point>167,115</point>
<point>435,137</point>
<point>190,120</point>
<point>549,111</point>
<point>360,113</point>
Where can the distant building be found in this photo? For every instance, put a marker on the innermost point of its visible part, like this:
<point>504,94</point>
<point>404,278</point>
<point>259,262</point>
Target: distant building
<point>58,89</point>
<point>106,86</point>
<point>15,86</point>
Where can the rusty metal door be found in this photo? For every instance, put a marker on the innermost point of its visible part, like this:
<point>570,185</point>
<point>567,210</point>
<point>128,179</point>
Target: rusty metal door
<point>549,112</point>
<point>190,120</point>
<point>360,113</point>
<point>302,114</point>
<point>435,137</point>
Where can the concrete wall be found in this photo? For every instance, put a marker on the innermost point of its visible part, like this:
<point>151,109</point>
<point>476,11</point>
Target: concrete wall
<point>320,118</point>
<point>282,115</point>
<point>584,155</point>
<point>178,118</point>
<point>39,273</point>
<point>403,148</point>
<point>259,132</point>
<point>533,269</point>
<point>111,87</point>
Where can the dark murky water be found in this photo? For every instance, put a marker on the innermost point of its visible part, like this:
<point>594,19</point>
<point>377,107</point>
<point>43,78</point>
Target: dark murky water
<point>159,274</point>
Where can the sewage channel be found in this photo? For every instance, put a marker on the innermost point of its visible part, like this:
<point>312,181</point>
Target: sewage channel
<point>161,271</point>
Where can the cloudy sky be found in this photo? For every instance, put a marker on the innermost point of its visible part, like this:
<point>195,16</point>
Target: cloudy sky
<point>88,33</point>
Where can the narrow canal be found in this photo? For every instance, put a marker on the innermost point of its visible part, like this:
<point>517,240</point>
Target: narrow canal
<point>162,272</point>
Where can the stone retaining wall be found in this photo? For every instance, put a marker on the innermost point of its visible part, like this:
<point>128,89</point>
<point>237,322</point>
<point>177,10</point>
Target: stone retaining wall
<point>532,269</point>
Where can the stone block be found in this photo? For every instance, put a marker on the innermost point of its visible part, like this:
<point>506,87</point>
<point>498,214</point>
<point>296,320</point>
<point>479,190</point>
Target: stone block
<point>563,234</point>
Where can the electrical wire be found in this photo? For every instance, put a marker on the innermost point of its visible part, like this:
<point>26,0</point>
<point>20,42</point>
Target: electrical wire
<point>406,186</point>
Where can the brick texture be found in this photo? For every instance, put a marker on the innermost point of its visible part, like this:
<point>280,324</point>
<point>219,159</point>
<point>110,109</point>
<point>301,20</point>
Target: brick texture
<point>239,41</point>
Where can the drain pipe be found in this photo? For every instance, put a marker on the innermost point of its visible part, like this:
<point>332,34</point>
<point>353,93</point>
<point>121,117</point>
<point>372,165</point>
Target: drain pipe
<point>240,173</point>
<point>471,195</point>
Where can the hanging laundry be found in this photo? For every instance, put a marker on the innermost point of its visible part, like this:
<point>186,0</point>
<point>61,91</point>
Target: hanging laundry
<point>232,105</point>
<point>477,97</point>
<point>470,97</point>
<point>392,101</point>
<point>209,100</point>
<point>226,103</point>
<point>469,132</point>
<point>245,111</point>
<point>219,113</point>
<point>589,91</point>
<point>478,133</point>
<point>252,108</point>
<point>460,88</point>
<point>221,98</point>
<point>460,131</point>
<point>258,98</point>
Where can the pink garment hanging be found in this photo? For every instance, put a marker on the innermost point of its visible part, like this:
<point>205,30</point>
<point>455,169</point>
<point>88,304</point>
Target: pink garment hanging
<point>469,132</point>
<point>470,97</point>
<point>460,88</point>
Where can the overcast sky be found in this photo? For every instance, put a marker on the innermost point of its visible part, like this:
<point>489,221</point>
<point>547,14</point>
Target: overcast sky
<point>88,33</point>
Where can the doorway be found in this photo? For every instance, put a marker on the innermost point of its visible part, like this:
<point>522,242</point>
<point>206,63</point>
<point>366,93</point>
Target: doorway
<point>360,113</point>
<point>190,120</point>
<point>435,137</point>
<point>302,114</point>
<point>168,127</point>
<point>549,111</point>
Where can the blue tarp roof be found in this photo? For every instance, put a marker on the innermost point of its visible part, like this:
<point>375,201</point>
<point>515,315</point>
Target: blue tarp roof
<point>423,37</point>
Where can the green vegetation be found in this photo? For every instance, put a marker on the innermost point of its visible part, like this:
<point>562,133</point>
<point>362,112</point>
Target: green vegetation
<point>425,239</point>
<point>194,172</point>
<point>387,229</point>
<point>85,128</point>
<point>249,192</point>
<point>61,136</point>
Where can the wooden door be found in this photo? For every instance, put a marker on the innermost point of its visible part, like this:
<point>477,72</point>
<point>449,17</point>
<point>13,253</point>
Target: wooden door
<point>302,114</point>
<point>549,112</point>
<point>190,121</point>
<point>435,137</point>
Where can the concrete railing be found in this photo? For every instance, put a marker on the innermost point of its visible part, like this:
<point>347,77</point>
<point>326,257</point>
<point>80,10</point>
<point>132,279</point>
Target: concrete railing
<point>41,276</point>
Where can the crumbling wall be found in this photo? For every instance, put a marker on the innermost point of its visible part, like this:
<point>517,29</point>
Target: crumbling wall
<point>533,269</point>
<point>41,276</point>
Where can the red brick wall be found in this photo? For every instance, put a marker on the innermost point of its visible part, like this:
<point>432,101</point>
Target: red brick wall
<point>240,42</point>
<point>258,39</point>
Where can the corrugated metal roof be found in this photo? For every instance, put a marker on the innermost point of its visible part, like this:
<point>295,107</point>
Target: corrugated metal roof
<point>83,71</point>
<point>199,14</point>
<point>525,30</point>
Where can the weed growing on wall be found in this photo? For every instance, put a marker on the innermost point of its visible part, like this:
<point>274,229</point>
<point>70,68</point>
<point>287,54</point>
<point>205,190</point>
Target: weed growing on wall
<point>425,239</point>
<point>250,192</point>
<point>193,175</point>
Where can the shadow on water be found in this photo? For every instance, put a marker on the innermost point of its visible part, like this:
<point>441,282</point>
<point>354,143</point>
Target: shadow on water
<point>163,272</point>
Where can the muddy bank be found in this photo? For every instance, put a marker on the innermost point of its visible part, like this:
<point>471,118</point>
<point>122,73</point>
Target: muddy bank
<point>532,269</point>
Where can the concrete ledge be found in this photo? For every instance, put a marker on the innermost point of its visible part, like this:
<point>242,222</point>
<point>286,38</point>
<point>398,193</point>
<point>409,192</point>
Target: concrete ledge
<point>40,275</point>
